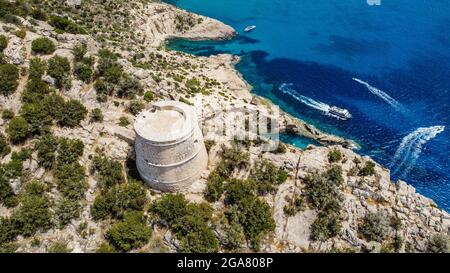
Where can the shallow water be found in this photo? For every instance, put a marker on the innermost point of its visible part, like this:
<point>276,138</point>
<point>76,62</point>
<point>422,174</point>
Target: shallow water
<point>389,65</point>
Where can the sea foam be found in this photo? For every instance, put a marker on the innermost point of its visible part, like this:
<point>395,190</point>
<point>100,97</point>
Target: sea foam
<point>384,96</point>
<point>411,147</point>
<point>286,88</point>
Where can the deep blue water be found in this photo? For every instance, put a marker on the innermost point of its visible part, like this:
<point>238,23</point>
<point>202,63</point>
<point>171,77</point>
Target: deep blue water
<point>399,53</point>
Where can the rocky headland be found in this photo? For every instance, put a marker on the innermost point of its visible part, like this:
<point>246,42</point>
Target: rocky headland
<point>328,198</point>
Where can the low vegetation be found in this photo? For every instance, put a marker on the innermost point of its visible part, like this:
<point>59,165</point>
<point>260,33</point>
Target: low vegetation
<point>439,243</point>
<point>368,169</point>
<point>130,233</point>
<point>266,176</point>
<point>188,221</point>
<point>335,156</point>
<point>9,79</point>
<point>43,46</point>
<point>119,200</point>
<point>321,193</point>
<point>374,227</point>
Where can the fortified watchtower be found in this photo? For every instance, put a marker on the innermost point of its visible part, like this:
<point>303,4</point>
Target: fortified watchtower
<point>170,152</point>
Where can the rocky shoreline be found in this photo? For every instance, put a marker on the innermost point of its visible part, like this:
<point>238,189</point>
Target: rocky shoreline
<point>419,215</point>
<point>365,189</point>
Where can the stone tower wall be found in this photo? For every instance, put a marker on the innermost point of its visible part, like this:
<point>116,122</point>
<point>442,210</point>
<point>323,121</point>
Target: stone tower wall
<point>171,164</point>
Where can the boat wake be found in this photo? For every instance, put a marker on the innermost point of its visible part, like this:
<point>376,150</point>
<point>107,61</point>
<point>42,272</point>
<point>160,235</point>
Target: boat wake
<point>286,88</point>
<point>381,94</point>
<point>411,147</point>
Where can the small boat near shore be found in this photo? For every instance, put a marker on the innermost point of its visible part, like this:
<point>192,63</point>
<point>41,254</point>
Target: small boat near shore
<point>249,28</point>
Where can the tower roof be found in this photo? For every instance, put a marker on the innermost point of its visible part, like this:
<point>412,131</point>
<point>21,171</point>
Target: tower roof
<point>166,122</point>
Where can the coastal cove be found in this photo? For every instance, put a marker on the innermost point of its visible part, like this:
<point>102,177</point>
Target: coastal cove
<point>388,65</point>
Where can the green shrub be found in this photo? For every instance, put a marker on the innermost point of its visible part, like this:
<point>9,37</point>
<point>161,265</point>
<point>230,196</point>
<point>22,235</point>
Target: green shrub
<point>43,46</point>
<point>214,188</point>
<point>64,24</point>
<point>79,51</point>
<point>188,221</point>
<point>67,210</point>
<point>123,121</point>
<point>109,172</point>
<point>3,42</point>
<point>18,129</point>
<point>129,87</point>
<point>114,74</point>
<point>135,107</point>
<point>209,144</point>
<point>281,148</point>
<point>37,68</point>
<point>96,115</point>
<point>38,14</point>
<point>71,180</point>
<point>294,205</point>
<point>14,168</point>
<point>238,190</point>
<point>37,117</point>
<point>282,176</point>
<point>202,240</point>
<point>256,218</point>
<point>107,59</point>
<point>10,247</point>
<point>83,72</point>
<point>102,90</point>
<point>118,200</point>
<point>130,233</point>
<point>100,209</point>
<point>106,248</point>
<point>9,79</point>
<point>35,91</point>
<point>58,247</point>
<point>334,175</point>
<point>374,227</point>
<point>368,169</point>
<point>59,69</point>
<point>232,158</point>
<point>72,114</point>
<point>335,155</point>
<point>170,207</point>
<point>439,243</point>
<point>327,225</point>
<point>8,230</point>
<point>7,114</point>
<point>34,215</point>
<point>22,155</point>
<point>7,196</point>
<point>149,96</point>
<point>21,33</point>
<point>321,192</point>
<point>234,235</point>
<point>54,104</point>
<point>4,146</point>
<point>46,147</point>
<point>35,187</point>
<point>69,151</point>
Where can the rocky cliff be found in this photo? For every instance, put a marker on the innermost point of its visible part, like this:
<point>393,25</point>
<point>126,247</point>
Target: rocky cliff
<point>370,212</point>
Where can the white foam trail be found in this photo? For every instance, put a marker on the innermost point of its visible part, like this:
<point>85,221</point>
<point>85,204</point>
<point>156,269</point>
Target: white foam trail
<point>411,147</point>
<point>286,88</point>
<point>381,94</point>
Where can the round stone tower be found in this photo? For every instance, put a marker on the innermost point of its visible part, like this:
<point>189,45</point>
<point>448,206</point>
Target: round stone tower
<point>170,152</point>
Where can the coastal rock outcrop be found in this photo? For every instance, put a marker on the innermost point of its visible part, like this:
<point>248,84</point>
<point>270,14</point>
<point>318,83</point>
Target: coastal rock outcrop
<point>159,22</point>
<point>211,85</point>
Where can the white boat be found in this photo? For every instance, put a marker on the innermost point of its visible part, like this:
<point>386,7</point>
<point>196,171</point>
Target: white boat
<point>249,28</point>
<point>340,113</point>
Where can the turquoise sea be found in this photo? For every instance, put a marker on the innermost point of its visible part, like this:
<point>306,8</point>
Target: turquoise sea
<point>389,65</point>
